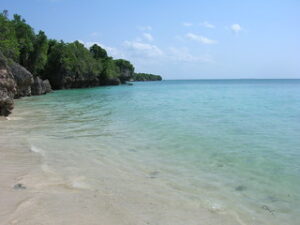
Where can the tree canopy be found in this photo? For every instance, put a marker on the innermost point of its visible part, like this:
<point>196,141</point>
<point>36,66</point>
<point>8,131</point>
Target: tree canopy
<point>146,77</point>
<point>66,65</point>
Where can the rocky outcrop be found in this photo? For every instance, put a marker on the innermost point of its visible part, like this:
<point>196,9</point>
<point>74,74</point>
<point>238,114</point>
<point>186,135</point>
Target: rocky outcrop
<point>113,81</point>
<point>6,103</point>
<point>23,79</point>
<point>7,87</point>
<point>40,87</point>
<point>125,75</point>
<point>146,77</point>
<point>16,82</point>
<point>47,86</point>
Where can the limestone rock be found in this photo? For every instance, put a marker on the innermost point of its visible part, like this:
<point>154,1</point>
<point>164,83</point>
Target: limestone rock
<point>23,79</point>
<point>40,87</point>
<point>7,87</point>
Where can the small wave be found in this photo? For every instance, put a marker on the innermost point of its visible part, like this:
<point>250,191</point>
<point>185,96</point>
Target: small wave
<point>14,118</point>
<point>79,183</point>
<point>37,150</point>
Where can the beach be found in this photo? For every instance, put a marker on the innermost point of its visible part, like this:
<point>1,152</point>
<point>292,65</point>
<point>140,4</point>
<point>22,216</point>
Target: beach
<point>142,154</point>
<point>33,194</point>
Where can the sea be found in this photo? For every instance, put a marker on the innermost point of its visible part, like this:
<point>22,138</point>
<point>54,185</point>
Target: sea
<point>231,147</point>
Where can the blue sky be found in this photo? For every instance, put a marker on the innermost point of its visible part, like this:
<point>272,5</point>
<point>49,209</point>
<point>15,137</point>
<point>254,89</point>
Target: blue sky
<point>189,39</point>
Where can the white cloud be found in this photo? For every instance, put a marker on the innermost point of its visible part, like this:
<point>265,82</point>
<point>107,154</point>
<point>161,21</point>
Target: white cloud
<point>201,39</point>
<point>207,25</point>
<point>140,49</point>
<point>145,28</point>
<point>187,24</point>
<point>236,28</point>
<point>95,34</point>
<point>148,36</point>
<point>183,55</point>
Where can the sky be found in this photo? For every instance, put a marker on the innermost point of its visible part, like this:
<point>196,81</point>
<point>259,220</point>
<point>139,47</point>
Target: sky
<point>191,39</point>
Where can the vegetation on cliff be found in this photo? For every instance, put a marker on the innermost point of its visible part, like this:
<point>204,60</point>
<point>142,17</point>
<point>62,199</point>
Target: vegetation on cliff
<point>32,64</point>
<point>65,65</point>
<point>146,77</point>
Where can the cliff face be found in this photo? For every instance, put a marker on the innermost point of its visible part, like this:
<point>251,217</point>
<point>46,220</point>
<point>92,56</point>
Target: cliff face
<point>16,82</point>
<point>7,88</point>
<point>23,79</point>
<point>125,74</point>
<point>40,87</point>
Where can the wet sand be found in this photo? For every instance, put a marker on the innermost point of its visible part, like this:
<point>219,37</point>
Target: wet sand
<point>32,194</point>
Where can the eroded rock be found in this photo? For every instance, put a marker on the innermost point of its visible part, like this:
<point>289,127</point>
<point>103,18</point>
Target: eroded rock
<point>7,87</point>
<point>40,87</point>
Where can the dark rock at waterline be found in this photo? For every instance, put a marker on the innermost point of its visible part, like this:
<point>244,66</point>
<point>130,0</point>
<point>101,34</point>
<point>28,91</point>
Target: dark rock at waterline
<point>23,79</point>
<point>47,86</point>
<point>240,188</point>
<point>113,81</point>
<point>7,87</point>
<point>19,187</point>
<point>16,82</point>
<point>40,87</point>
<point>6,103</point>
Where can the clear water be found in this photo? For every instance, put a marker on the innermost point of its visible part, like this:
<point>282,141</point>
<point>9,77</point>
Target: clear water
<point>233,146</point>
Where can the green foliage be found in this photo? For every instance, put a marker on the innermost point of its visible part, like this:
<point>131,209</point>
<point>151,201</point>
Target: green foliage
<point>110,70</point>
<point>146,77</point>
<point>38,57</point>
<point>8,39</point>
<point>66,65</point>
<point>54,67</point>
<point>98,52</point>
<point>25,37</point>
<point>71,65</point>
<point>126,69</point>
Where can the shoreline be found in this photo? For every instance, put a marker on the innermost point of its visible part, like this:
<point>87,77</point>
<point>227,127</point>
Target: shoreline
<point>98,167</point>
<point>122,196</point>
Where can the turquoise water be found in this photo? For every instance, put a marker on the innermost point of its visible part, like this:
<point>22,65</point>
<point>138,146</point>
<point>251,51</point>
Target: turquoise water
<point>229,145</point>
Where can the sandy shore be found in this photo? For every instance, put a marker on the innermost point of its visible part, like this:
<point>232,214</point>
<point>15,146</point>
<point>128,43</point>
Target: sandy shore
<point>47,199</point>
<point>32,193</point>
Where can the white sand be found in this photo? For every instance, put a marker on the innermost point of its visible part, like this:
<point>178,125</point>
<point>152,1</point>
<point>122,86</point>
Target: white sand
<point>50,199</point>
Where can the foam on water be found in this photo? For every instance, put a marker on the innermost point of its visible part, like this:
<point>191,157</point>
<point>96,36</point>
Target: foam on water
<point>80,183</point>
<point>14,118</point>
<point>37,150</point>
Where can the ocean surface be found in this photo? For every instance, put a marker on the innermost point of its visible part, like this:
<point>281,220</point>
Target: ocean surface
<point>229,146</point>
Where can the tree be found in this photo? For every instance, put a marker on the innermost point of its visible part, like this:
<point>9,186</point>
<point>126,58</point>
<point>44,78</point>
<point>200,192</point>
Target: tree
<point>38,57</point>
<point>126,69</point>
<point>25,37</point>
<point>98,52</point>
<point>8,39</point>
<point>110,70</point>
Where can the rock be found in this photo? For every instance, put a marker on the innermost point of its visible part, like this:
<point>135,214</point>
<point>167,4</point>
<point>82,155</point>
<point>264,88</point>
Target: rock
<point>6,103</point>
<point>240,188</point>
<point>19,187</point>
<point>114,81</point>
<point>265,207</point>
<point>23,79</point>
<point>7,87</point>
<point>47,86</point>
<point>16,82</point>
<point>125,75</point>
<point>40,87</point>
<point>153,174</point>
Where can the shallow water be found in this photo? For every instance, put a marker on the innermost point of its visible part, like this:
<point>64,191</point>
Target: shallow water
<point>229,146</point>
